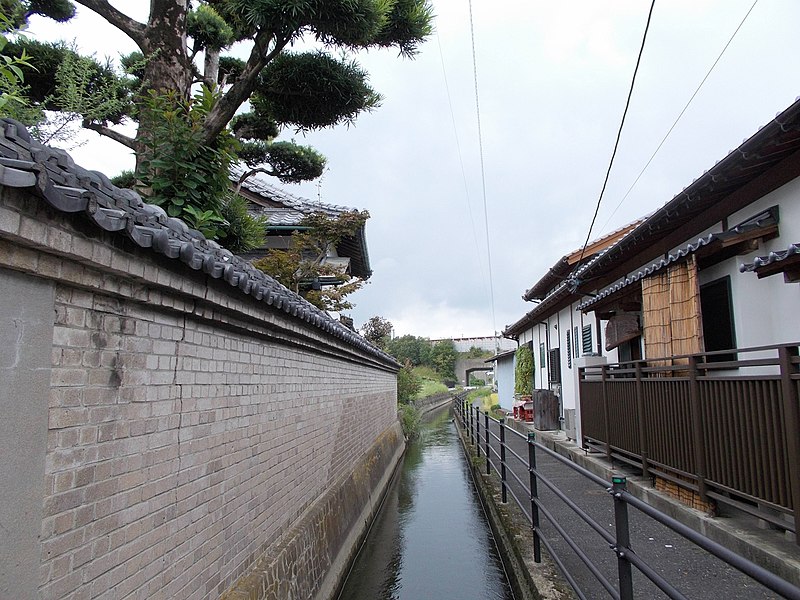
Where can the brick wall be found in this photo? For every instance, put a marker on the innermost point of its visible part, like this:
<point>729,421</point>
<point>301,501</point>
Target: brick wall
<point>191,429</point>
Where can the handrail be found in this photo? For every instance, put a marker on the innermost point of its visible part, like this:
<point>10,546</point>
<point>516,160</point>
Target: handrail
<point>618,542</point>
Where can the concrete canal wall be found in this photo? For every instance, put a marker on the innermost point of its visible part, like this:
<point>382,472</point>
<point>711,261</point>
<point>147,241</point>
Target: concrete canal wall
<point>174,425</point>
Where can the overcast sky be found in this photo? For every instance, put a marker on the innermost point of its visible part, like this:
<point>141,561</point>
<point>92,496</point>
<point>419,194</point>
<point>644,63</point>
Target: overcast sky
<point>552,78</point>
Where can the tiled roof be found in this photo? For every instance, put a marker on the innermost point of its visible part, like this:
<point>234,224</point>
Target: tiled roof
<point>52,175</point>
<point>772,257</point>
<point>650,269</point>
<point>293,208</point>
<point>283,209</point>
<point>763,154</point>
<point>756,156</point>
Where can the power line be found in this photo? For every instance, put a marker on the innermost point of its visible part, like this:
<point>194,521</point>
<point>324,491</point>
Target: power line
<point>619,133</point>
<point>460,156</point>
<point>483,170</point>
<point>639,176</point>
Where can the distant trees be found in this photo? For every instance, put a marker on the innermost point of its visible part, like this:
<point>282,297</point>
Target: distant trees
<point>418,351</point>
<point>408,384</point>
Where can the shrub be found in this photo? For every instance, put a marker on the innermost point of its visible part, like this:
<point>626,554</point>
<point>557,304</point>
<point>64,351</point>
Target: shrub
<point>523,371</point>
<point>410,419</point>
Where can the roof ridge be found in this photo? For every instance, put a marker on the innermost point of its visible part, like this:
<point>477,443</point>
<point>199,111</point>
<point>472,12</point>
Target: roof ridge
<point>52,175</point>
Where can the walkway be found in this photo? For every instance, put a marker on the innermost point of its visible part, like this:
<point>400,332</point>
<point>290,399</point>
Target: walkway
<point>696,573</point>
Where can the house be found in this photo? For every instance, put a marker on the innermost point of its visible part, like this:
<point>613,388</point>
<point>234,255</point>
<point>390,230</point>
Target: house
<point>692,316</point>
<point>285,212</point>
<point>560,337</point>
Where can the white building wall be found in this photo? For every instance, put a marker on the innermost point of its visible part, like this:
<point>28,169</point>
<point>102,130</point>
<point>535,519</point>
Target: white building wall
<point>504,376</point>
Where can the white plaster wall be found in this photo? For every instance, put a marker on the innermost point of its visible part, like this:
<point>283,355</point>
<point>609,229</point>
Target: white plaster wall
<point>504,375</point>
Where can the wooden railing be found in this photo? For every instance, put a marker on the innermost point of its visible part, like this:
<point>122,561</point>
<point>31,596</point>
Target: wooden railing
<point>728,430</point>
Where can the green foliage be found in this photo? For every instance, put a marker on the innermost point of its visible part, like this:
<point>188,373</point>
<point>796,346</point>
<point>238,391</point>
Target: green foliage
<point>289,162</point>
<point>410,348</point>
<point>410,419</point>
<point>378,331</point>
<point>243,232</point>
<point>17,12</point>
<point>475,382</point>
<point>312,90</point>
<point>125,180</point>
<point>230,68</point>
<point>523,371</point>
<point>208,29</point>
<point>408,384</point>
<point>65,81</point>
<point>302,266</point>
<point>207,222</point>
<point>58,10</point>
<point>443,357</point>
<point>254,126</point>
<point>431,387</point>
<point>13,101</point>
<point>177,170</point>
<point>475,352</point>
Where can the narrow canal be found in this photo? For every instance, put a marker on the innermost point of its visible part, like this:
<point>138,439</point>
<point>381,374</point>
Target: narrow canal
<point>431,539</point>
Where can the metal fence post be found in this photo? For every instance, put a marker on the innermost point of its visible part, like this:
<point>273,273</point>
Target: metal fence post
<point>623,544</point>
<point>486,435</point>
<point>471,432</point>
<point>791,424</point>
<point>537,546</point>
<point>503,460</point>
<point>478,430</point>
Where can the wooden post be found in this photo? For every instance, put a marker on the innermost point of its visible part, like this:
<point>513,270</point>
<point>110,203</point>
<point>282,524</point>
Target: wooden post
<point>791,424</point>
<point>640,408</point>
<point>697,430</point>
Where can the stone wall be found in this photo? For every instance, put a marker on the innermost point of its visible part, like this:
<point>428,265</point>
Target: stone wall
<point>166,435</point>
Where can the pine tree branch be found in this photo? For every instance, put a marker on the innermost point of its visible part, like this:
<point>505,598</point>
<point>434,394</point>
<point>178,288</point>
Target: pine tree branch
<point>111,134</point>
<point>247,174</point>
<point>239,92</point>
<point>130,27</point>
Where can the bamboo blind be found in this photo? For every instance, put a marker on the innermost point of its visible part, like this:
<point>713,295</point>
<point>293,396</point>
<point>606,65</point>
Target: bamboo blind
<point>671,312</point>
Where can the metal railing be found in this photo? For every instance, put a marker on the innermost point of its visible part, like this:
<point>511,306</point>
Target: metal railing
<point>506,463</point>
<point>725,425</point>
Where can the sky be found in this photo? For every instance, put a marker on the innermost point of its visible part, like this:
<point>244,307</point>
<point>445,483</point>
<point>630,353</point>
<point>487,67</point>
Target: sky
<point>453,246</point>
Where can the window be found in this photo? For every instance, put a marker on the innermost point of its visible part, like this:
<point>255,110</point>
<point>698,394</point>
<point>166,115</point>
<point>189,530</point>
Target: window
<point>575,351</point>
<point>717,310</point>
<point>587,339</point>
<point>541,355</point>
<point>554,366</point>
<point>569,350</point>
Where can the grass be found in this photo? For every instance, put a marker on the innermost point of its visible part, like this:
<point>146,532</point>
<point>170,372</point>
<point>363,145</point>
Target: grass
<point>488,400</point>
<point>431,383</point>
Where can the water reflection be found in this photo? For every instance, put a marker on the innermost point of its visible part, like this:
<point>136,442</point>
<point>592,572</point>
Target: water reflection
<point>431,540</point>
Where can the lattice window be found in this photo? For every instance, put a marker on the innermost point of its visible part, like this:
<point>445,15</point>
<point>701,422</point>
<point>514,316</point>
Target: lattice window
<point>569,349</point>
<point>587,339</point>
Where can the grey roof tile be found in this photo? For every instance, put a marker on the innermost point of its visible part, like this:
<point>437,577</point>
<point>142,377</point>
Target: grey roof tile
<point>52,175</point>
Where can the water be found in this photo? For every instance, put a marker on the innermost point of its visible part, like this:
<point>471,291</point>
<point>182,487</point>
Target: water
<point>431,540</point>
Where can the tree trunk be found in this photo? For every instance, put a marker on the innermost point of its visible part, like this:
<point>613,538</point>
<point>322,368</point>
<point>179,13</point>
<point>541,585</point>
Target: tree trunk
<point>168,67</point>
<point>211,67</point>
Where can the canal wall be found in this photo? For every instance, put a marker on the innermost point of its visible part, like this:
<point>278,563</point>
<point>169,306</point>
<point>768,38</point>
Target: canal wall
<point>175,423</point>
